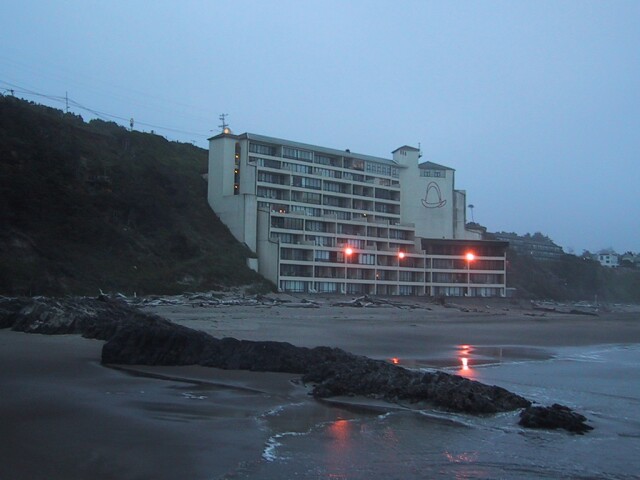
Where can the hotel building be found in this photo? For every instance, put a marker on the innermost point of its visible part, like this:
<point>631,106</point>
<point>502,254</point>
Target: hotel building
<point>321,220</point>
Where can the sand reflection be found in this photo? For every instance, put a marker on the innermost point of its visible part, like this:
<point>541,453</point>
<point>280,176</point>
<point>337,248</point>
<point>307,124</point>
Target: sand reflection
<point>464,353</point>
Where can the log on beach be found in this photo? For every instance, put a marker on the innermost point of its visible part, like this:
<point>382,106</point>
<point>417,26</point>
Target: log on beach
<point>136,338</point>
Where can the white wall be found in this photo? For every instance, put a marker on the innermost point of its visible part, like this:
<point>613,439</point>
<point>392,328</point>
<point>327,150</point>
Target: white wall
<point>237,212</point>
<point>268,251</point>
<point>427,202</point>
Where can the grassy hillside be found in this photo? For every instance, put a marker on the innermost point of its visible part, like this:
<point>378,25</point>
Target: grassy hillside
<point>89,206</point>
<point>571,278</point>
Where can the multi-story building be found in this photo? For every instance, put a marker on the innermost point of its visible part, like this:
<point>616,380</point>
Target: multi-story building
<point>332,221</point>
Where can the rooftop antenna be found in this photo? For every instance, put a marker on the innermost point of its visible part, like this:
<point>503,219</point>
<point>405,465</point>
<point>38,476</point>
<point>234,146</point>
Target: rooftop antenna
<point>224,126</point>
<point>419,150</point>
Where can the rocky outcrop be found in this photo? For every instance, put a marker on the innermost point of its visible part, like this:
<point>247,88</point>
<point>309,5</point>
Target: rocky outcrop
<point>374,378</point>
<point>136,338</point>
<point>554,417</point>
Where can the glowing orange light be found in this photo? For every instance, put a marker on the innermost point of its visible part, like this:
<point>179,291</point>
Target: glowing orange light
<point>395,360</point>
<point>348,251</point>
<point>401,255</point>
<point>470,257</point>
<point>465,363</point>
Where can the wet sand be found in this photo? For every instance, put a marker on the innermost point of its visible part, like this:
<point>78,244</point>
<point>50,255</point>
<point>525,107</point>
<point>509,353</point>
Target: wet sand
<point>65,416</point>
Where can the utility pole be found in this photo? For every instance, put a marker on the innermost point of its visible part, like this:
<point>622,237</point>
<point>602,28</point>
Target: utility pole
<point>66,101</point>
<point>224,126</point>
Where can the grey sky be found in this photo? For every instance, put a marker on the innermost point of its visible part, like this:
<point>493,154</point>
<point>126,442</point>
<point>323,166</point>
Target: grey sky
<point>535,104</point>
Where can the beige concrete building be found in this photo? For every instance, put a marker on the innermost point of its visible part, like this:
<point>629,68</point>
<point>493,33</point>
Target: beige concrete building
<point>332,221</point>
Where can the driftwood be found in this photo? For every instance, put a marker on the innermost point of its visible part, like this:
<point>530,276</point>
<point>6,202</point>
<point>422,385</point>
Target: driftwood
<point>367,301</point>
<point>566,309</point>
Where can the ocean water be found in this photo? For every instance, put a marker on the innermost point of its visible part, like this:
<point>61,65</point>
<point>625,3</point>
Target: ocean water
<point>316,441</point>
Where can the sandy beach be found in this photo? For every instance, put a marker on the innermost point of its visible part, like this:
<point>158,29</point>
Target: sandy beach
<point>66,416</point>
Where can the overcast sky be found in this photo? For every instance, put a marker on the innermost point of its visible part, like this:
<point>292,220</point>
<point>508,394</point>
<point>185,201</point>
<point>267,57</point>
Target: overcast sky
<point>535,104</point>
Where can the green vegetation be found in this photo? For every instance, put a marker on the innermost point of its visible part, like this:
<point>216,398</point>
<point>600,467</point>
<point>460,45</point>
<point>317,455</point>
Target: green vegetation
<point>571,278</point>
<point>90,206</point>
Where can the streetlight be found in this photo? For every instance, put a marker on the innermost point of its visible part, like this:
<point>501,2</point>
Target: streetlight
<point>470,256</point>
<point>348,251</point>
<point>401,255</point>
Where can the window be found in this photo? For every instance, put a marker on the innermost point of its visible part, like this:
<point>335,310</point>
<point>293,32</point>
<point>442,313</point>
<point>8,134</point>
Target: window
<point>335,187</point>
<point>236,170</point>
<point>269,193</point>
<point>262,149</point>
<point>266,162</point>
<point>322,159</point>
<point>378,168</point>
<point>326,287</point>
<point>433,173</point>
<point>272,178</point>
<point>293,286</point>
<point>322,256</point>
<point>294,167</point>
<point>284,237</point>
<point>322,172</point>
<point>306,182</point>
<point>367,259</point>
<point>313,212</point>
<point>306,197</point>
<point>293,223</point>
<point>315,226</point>
<point>294,153</point>
<point>398,234</point>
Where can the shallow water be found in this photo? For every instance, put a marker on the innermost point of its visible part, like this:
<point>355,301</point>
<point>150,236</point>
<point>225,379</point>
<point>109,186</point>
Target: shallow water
<point>315,441</point>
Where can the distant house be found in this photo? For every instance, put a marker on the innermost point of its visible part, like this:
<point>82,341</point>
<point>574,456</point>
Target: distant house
<point>537,245</point>
<point>608,259</point>
<point>630,260</point>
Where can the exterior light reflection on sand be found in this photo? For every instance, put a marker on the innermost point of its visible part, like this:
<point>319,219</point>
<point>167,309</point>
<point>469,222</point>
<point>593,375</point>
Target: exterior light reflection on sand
<point>464,352</point>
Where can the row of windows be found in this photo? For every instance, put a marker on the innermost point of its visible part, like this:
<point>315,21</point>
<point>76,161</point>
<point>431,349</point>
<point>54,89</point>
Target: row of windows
<point>327,200</point>
<point>273,193</point>
<point>335,187</point>
<point>272,178</point>
<point>306,197</point>
<point>307,156</point>
<point>262,149</point>
<point>433,173</point>
<point>304,155</point>
<point>287,222</point>
<point>381,169</point>
<point>310,211</point>
<point>340,215</point>
<point>317,184</point>
<point>265,162</point>
<point>299,286</point>
<point>306,182</point>
<point>309,170</point>
<point>295,167</point>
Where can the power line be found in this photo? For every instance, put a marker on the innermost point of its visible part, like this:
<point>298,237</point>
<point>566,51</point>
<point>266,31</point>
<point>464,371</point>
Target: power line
<point>65,100</point>
<point>113,91</point>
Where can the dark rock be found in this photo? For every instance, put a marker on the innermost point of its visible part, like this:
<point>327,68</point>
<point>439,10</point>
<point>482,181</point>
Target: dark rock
<point>357,375</point>
<point>554,417</point>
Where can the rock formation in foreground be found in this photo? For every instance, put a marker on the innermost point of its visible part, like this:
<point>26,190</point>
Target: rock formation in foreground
<point>135,338</point>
